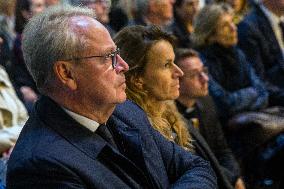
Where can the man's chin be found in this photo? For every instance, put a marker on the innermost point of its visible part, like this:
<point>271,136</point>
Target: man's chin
<point>121,99</point>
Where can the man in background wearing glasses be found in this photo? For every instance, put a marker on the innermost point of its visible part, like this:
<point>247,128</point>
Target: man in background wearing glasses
<point>198,108</point>
<point>78,135</point>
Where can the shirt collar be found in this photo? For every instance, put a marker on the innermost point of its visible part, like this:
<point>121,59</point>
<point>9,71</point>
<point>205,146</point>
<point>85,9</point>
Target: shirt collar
<point>86,122</point>
<point>183,108</point>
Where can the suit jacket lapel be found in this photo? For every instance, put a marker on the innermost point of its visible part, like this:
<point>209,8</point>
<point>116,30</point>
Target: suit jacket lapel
<point>130,144</point>
<point>127,138</point>
<point>57,119</point>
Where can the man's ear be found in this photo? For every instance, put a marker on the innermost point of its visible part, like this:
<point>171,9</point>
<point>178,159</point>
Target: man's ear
<point>64,73</point>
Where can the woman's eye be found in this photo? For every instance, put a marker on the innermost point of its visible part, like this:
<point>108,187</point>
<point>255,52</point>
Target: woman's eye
<point>168,65</point>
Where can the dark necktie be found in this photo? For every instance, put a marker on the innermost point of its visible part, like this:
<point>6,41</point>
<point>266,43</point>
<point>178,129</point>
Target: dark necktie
<point>104,132</point>
<point>281,24</point>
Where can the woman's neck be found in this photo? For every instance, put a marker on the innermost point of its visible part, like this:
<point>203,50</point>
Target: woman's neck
<point>160,106</point>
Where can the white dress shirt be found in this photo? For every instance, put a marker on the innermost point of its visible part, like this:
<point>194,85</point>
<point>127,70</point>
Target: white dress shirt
<point>86,122</point>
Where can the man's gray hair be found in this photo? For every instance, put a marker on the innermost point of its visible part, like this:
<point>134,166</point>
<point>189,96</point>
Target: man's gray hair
<point>49,37</point>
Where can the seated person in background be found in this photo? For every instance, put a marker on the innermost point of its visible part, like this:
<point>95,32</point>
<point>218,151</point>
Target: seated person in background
<point>153,83</point>
<point>233,85</point>
<point>51,2</point>
<point>5,53</point>
<point>182,26</point>
<point>261,37</point>
<point>102,9</point>
<point>237,92</point>
<point>197,107</point>
<point>153,12</point>
<point>12,113</point>
<point>241,8</point>
<point>78,136</point>
<point>22,80</point>
<point>12,117</point>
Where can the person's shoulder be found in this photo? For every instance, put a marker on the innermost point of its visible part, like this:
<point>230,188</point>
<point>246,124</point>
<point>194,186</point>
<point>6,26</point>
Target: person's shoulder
<point>130,113</point>
<point>253,18</point>
<point>128,107</point>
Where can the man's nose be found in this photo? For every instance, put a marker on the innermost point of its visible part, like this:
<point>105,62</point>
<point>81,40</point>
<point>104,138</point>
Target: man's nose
<point>121,66</point>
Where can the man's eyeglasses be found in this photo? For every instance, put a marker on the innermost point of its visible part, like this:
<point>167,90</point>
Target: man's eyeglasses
<point>112,55</point>
<point>196,74</point>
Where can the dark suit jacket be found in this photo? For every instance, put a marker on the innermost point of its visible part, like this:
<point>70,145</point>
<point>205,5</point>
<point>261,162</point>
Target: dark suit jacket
<point>210,143</point>
<point>257,40</point>
<point>54,151</point>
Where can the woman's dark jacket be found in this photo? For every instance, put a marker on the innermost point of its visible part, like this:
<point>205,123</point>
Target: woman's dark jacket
<point>233,83</point>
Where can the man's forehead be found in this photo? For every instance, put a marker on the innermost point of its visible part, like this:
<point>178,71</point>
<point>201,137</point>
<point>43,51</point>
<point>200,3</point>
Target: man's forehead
<point>85,22</point>
<point>94,31</point>
<point>191,62</point>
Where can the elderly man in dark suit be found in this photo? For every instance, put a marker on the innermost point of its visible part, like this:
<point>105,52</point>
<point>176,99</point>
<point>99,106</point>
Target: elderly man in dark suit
<point>261,37</point>
<point>78,136</point>
<point>198,108</point>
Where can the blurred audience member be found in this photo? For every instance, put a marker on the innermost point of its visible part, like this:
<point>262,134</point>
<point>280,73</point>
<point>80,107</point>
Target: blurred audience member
<point>261,38</point>
<point>5,52</point>
<point>241,8</point>
<point>24,83</point>
<point>12,112</point>
<point>128,7</point>
<point>239,92</point>
<point>119,15</point>
<point>101,8</point>
<point>233,84</point>
<point>51,2</point>
<point>198,108</point>
<point>182,27</point>
<point>12,117</point>
<point>153,12</point>
<point>7,33</point>
<point>7,20</point>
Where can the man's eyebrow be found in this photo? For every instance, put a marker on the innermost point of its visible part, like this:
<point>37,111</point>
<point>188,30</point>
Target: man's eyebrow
<point>194,69</point>
<point>110,49</point>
